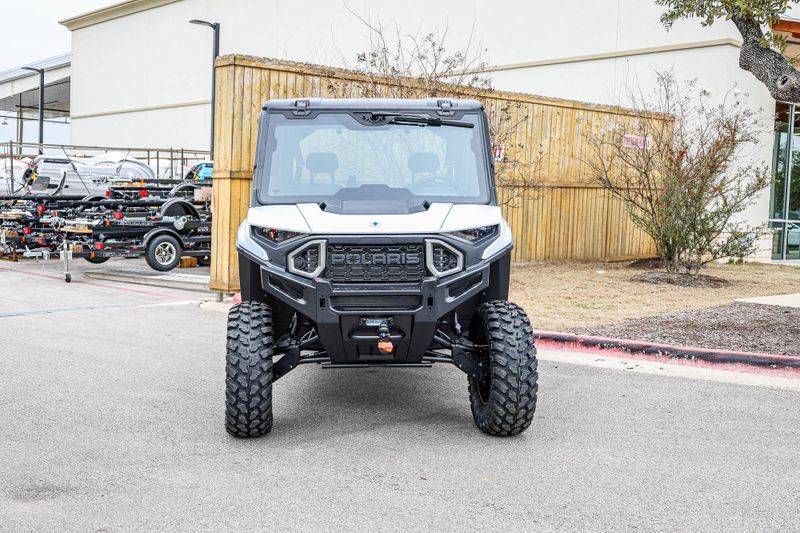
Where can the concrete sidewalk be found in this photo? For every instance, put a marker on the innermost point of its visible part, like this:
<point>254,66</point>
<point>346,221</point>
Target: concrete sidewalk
<point>783,300</point>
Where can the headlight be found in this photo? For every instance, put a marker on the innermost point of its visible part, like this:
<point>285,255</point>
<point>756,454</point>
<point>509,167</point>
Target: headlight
<point>277,235</point>
<point>475,234</point>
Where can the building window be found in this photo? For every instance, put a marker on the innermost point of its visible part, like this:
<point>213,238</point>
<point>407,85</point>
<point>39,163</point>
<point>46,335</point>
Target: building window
<point>785,195</point>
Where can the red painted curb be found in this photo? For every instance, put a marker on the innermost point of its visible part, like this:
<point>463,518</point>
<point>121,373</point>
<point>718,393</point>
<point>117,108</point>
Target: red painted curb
<point>686,352</point>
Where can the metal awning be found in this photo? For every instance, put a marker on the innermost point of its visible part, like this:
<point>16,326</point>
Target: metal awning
<point>19,89</point>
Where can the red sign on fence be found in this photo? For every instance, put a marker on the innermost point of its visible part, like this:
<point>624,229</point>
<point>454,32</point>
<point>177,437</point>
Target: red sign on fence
<point>499,152</point>
<point>635,141</point>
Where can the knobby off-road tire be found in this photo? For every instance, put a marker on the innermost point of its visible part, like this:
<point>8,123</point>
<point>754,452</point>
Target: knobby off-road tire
<point>503,404</point>
<point>248,394</point>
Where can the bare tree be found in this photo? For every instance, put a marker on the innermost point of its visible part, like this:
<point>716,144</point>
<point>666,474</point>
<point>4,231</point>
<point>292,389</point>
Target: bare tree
<point>402,65</point>
<point>681,166</point>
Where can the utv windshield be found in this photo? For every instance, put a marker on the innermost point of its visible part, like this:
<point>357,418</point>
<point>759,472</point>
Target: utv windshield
<point>365,157</point>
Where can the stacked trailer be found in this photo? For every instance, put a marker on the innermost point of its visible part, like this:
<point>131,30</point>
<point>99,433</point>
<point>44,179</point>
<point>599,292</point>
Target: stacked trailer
<point>160,222</point>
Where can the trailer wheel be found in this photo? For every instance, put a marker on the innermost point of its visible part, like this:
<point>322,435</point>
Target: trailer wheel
<point>248,382</point>
<point>93,197</point>
<point>163,253</point>
<point>183,188</point>
<point>178,207</point>
<point>504,399</point>
<point>97,260</point>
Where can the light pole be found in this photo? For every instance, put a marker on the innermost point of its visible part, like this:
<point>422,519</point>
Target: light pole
<point>41,104</point>
<point>214,26</point>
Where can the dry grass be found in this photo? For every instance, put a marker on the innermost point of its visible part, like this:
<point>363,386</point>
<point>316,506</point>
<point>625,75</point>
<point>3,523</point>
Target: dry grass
<point>560,296</point>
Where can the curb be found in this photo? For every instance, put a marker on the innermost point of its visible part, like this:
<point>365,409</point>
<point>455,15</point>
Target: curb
<point>186,282</point>
<point>685,352</point>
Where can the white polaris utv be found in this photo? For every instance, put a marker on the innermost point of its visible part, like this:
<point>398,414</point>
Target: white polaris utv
<point>374,238</point>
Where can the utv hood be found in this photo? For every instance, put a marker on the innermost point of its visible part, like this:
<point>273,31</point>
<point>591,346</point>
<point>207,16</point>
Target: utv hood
<point>310,218</point>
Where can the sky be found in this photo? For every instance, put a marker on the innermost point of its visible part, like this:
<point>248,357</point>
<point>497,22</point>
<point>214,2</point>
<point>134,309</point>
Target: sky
<point>30,30</point>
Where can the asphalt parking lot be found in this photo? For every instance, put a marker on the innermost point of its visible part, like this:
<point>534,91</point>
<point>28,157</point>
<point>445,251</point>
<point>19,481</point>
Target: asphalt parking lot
<point>111,409</point>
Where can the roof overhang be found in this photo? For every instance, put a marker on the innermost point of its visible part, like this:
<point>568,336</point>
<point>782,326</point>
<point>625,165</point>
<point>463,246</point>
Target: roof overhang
<point>62,61</point>
<point>790,29</point>
<point>115,11</point>
<point>19,88</point>
<point>787,25</point>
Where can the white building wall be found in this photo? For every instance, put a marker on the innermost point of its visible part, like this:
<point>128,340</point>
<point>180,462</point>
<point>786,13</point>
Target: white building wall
<point>174,127</point>
<point>155,58</point>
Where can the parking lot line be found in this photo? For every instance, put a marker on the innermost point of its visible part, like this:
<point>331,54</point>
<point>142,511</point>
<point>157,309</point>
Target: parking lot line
<point>93,308</point>
<point>116,287</point>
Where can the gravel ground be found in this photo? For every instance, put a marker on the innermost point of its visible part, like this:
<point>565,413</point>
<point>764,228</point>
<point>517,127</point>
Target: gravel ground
<point>737,326</point>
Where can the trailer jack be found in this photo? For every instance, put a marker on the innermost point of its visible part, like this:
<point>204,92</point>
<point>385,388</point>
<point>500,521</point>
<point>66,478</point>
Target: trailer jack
<point>65,254</point>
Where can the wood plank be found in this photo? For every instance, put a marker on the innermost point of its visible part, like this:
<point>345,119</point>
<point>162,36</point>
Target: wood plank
<point>245,160</point>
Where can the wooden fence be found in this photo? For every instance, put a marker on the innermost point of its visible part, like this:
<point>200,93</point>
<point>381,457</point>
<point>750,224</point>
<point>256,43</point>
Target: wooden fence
<point>566,218</point>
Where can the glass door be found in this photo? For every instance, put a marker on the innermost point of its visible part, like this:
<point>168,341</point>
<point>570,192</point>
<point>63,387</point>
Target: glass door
<point>785,194</point>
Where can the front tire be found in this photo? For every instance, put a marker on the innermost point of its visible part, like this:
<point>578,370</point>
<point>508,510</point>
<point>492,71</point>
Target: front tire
<point>97,260</point>
<point>248,391</point>
<point>504,401</point>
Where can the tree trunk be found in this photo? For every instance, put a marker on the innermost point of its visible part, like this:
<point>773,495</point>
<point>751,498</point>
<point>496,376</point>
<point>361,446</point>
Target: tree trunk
<point>769,66</point>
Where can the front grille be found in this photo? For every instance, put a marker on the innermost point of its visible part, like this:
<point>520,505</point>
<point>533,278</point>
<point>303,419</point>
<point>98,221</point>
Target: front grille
<point>374,303</point>
<point>389,263</point>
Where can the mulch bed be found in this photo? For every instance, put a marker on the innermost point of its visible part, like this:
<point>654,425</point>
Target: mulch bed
<point>681,280</point>
<point>738,326</point>
<point>650,263</point>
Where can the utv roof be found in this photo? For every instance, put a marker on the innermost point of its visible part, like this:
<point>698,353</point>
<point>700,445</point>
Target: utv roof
<point>372,104</point>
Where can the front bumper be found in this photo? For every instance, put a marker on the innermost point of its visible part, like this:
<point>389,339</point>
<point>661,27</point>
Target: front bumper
<point>340,311</point>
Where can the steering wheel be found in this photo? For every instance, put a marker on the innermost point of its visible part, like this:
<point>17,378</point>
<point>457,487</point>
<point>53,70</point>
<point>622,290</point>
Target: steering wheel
<point>434,180</point>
